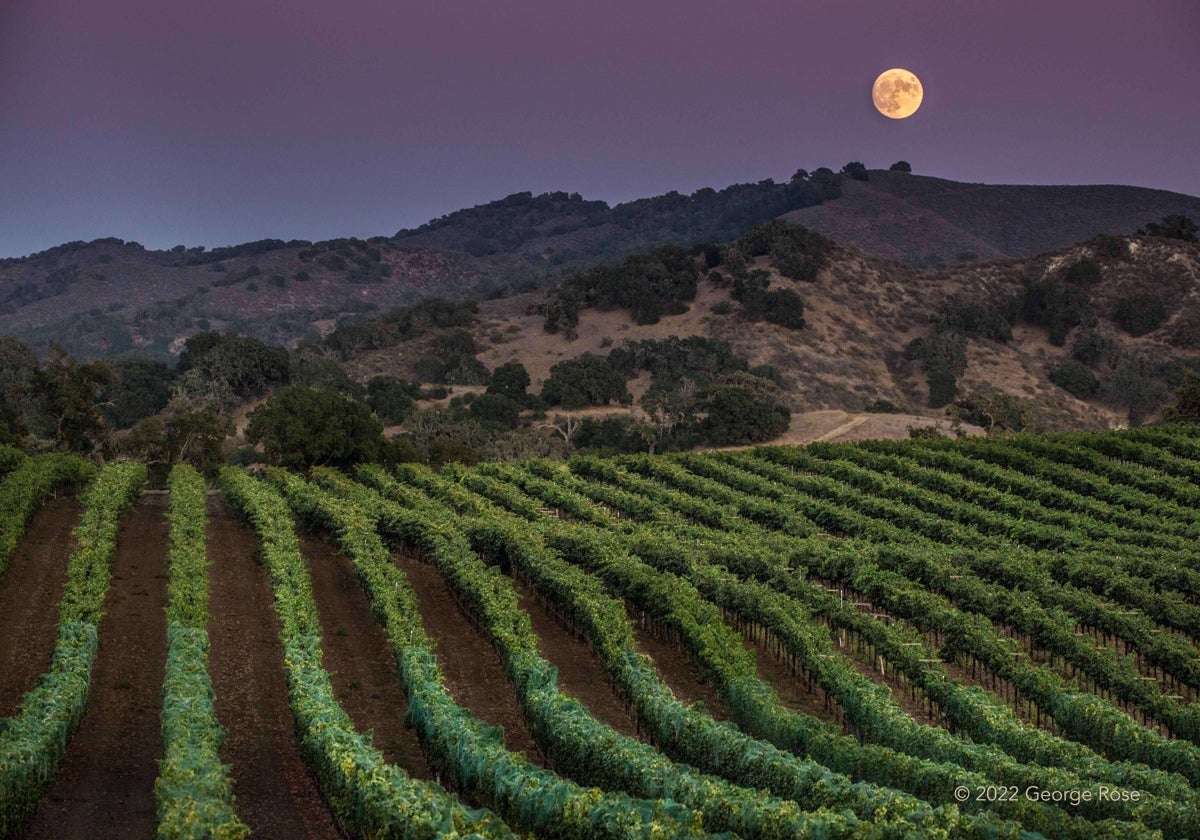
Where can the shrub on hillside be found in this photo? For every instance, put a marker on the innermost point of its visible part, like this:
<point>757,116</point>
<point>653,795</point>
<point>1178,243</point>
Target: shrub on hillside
<point>1139,314</point>
<point>783,307</point>
<point>1109,247</point>
<point>1176,226</point>
<point>1175,372</point>
<point>943,387</point>
<point>979,318</point>
<point>1056,305</point>
<point>495,411</point>
<point>1082,272</point>
<point>391,398</point>
<point>671,359</point>
<point>1186,408</point>
<point>1093,347</point>
<point>944,357</point>
<point>882,406</point>
<point>511,380</point>
<point>1076,379</point>
<point>1000,412</point>
<point>465,370</point>
<point>795,251</point>
<point>1136,384</point>
<point>649,285</point>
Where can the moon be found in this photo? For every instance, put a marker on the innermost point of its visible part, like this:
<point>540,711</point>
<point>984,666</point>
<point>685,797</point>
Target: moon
<point>897,93</point>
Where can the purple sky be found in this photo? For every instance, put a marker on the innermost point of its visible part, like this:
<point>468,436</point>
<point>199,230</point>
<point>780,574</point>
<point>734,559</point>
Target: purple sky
<point>216,122</point>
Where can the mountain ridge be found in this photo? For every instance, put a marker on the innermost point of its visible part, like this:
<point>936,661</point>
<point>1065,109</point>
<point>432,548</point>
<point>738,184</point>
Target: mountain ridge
<point>109,297</point>
<point>954,221</point>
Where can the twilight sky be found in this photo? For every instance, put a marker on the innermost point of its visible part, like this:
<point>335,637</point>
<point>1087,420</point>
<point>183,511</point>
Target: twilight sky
<point>217,122</point>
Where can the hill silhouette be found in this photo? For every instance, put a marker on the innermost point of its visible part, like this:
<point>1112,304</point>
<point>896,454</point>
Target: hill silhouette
<point>933,222</point>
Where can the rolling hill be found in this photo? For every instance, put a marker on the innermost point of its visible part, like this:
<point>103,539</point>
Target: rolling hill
<point>111,298</point>
<point>933,222</point>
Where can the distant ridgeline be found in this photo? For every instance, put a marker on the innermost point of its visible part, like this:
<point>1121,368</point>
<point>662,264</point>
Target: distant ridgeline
<point>563,228</point>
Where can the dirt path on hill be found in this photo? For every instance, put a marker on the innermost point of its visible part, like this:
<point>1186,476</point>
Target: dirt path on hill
<point>105,787</point>
<point>359,660</point>
<point>848,426</point>
<point>470,665</point>
<point>275,794</point>
<point>580,674</point>
<point>29,594</point>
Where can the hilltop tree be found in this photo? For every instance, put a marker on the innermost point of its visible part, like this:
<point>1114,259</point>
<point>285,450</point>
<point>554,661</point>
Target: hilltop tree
<point>856,170</point>
<point>900,166</point>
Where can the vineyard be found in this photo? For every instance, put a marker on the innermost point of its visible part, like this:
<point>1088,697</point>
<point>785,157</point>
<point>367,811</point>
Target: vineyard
<point>977,638</point>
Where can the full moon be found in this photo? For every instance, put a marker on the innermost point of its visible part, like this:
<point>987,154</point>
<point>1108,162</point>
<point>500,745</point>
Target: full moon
<point>897,93</point>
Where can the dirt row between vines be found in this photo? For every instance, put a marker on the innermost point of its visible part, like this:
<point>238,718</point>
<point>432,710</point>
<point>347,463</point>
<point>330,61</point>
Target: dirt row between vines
<point>275,793</point>
<point>29,594</point>
<point>105,786</point>
<point>359,659</point>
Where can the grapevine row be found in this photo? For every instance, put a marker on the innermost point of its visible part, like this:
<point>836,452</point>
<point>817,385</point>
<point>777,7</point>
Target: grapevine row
<point>33,743</point>
<point>1026,615</point>
<point>193,793</point>
<point>576,742</point>
<point>1117,735</point>
<point>369,796</point>
<point>690,735</point>
<point>878,719</point>
<point>23,489</point>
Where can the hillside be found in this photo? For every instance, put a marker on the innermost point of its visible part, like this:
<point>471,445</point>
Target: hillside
<point>933,222</point>
<point>115,298</point>
<point>863,311</point>
<point>112,298</point>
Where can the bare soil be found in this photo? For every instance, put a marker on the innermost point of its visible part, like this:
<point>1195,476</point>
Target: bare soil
<point>470,666</point>
<point>793,690</point>
<point>913,705</point>
<point>677,669</point>
<point>29,594</point>
<point>580,673</point>
<point>275,793</point>
<point>359,659</point>
<point>105,787</point>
